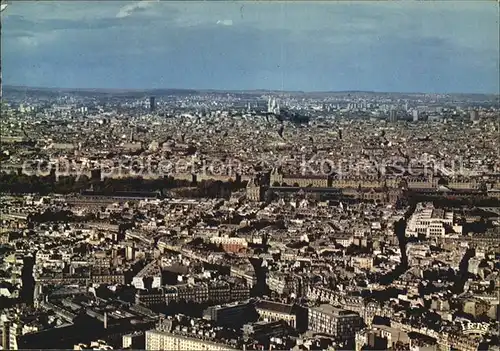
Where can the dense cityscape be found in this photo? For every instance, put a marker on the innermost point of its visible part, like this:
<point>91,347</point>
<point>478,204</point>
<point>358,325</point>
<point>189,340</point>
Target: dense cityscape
<point>192,220</point>
<point>249,175</point>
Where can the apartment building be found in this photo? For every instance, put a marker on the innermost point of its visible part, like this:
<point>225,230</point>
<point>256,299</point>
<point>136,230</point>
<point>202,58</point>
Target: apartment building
<point>340,323</point>
<point>162,340</point>
<point>431,222</point>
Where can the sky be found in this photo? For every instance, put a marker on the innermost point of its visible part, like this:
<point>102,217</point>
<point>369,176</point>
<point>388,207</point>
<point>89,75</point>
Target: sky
<point>403,46</point>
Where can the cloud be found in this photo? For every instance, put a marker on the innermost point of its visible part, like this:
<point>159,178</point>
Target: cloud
<point>28,41</point>
<point>319,46</point>
<point>226,22</point>
<point>136,7</point>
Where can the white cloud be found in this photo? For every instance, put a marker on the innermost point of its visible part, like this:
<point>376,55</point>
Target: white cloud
<point>226,22</point>
<point>28,41</point>
<point>129,9</point>
<point>32,42</point>
<point>63,10</point>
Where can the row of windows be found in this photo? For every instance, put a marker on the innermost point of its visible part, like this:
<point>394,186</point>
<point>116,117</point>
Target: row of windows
<point>160,342</point>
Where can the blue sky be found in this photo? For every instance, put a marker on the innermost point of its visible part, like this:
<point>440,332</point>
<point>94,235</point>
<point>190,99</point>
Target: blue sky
<point>408,46</point>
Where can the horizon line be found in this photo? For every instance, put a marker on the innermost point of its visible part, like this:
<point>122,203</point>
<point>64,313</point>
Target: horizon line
<point>137,90</point>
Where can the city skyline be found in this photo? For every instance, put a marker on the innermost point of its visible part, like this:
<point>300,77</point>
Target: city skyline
<point>438,47</point>
<point>204,204</point>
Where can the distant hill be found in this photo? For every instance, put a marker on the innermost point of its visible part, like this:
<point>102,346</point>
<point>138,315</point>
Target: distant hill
<point>171,91</point>
<point>164,92</point>
<point>24,89</point>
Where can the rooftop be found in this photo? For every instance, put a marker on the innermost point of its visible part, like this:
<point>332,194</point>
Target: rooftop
<point>275,306</point>
<point>335,311</point>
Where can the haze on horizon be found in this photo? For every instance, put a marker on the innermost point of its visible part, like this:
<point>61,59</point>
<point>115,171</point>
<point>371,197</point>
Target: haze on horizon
<point>407,46</point>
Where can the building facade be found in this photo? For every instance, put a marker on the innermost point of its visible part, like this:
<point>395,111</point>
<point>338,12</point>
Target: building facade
<point>162,340</point>
<point>340,323</point>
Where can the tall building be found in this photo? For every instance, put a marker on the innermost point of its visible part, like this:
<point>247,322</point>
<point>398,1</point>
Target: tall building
<point>152,104</point>
<point>10,331</point>
<point>6,335</point>
<point>474,115</point>
<point>415,115</point>
<point>130,253</point>
<point>340,323</point>
<point>393,117</point>
<point>273,106</point>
